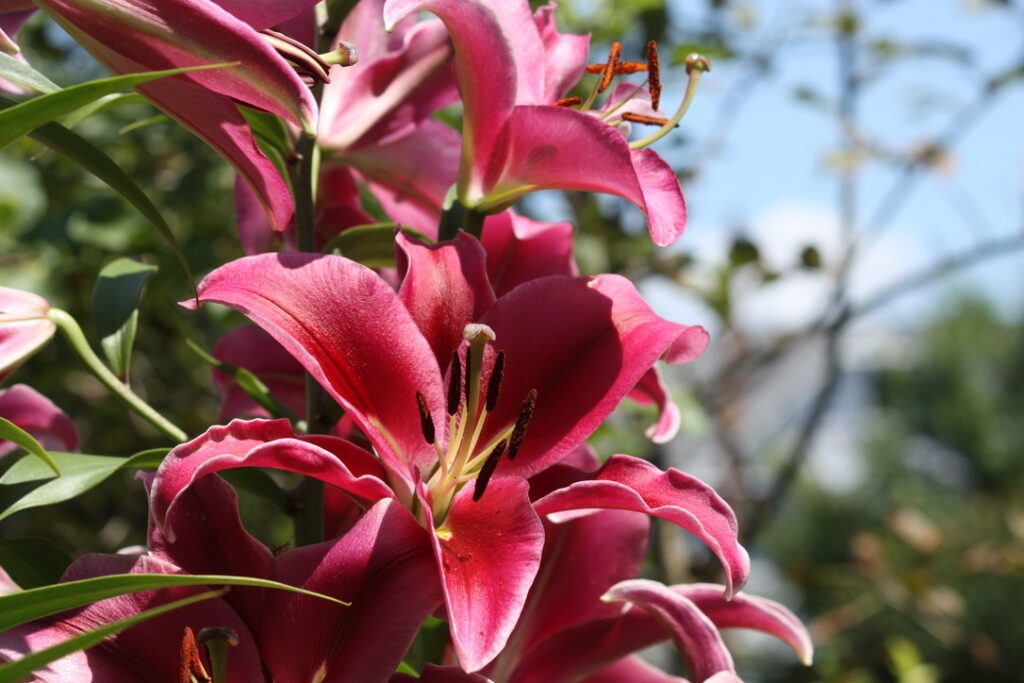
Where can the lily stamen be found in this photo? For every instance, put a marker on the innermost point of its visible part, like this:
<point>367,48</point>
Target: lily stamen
<point>695,66</point>
<point>312,67</point>
<point>519,431</point>
<point>653,74</point>
<point>217,640</point>
<point>192,669</point>
<point>568,102</point>
<point>640,118</point>
<point>621,68</point>
<point>426,421</point>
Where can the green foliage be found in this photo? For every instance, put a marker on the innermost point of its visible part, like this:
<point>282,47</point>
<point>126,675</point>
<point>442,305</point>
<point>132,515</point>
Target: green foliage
<point>116,299</point>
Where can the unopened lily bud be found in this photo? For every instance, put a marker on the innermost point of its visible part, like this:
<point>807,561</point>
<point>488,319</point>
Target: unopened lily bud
<point>24,327</point>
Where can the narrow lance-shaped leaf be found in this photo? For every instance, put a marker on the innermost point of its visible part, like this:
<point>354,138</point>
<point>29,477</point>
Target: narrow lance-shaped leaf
<point>21,608</point>
<point>15,671</point>
<point>115,299</point>
<point>18,120</point>
<point>79,473</point>
<point>22,74</point>
<point>12,432</point>
<point>248,381</point>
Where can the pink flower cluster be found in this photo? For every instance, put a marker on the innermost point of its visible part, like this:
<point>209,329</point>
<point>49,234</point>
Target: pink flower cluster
<point>459,483</point>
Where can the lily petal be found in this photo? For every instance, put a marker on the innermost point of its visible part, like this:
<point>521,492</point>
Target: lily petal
<point>598,339</point>
<point>632,669</point>
<point>627,483</point>
<point>260,443</point>
<point>751,611</point>
<point>520,249</point>
<point>695,635</point>
<point>24,327</point>
<point>350,330</point>
<point>37,415</point>
<point>251,348</point>
<point>651,390</point>
<point>445,287</point>
<point>487,562</point>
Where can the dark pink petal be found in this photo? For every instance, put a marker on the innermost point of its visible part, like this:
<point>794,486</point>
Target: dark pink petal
<point>695,636</point>
<point>632,669</point>
<point>486,71</point>
<point>350,330</point>
<point>12,17</point>
<point>384,567</point>
<point>251,348</point>
<point>750,611</point>
<point>262,14</point>
<point>582,343</point>
<point>561,148</point>
<point>445,287</point>
<point>37,415</point>
<point>520,249</point>
<point>24,327</point>
<point>259,443</point>
<point>651,391</point>
<point>147,652</point>
<point>254,229</point>
<point>627,483</point>
<point>582,559</point>
<point>392,88</point>
<point>411,175</point>
<point>129,34</point>
<point>487,565</point>
<point>565,56</point>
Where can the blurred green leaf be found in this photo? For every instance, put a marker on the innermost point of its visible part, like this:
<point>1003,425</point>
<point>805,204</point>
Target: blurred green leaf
<point>79,473</point>
<point>115,299</point>
<point>103,103</point>
<point>371,245</point>
<point>12,432</point>
<point>22,74</point>
<point>21,608</point>
<point>15,671</point>
<point>19,120</point>
<point>742,252</point>
<point>33,561</point>
<point>249,382</point>
<point>810,258</point>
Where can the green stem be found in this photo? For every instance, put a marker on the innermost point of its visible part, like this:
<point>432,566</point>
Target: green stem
<point>474,223</point>
<point>76,340</point>
<point>452,218</point>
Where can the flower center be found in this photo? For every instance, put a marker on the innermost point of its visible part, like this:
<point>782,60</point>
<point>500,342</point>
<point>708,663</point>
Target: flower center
<point>466,458</point>
<point>312,67</point>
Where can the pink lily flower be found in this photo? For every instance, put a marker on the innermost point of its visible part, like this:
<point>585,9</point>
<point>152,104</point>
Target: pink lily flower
<point>129,36</point>
<point>24,327</point>
<point>11,20</point>
<point>543,366</point>
<point>382,566</point>
<point>39,416</point>
<point>575,627</point>
<point>513,67</point>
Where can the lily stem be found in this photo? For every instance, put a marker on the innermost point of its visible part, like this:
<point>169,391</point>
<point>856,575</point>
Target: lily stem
<point>71,330</point>
<point>309,517</point>
<point>474,223</point>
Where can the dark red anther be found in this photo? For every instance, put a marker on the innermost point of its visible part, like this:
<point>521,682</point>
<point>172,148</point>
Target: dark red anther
<point>640,118</point>
<point>621,69</point>
<point>569,102</point>
<point>519,431</point>
<point>653,73</point>
<point>609,67</point>
<point>191,664</point>
<point>426,422</point>
<point>480,485</point>
<point>455,384</point>
<point>494,383</point>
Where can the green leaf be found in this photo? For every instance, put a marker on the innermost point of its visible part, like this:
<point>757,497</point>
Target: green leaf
<point>12,432</point>
<point>33,561</point>
<point>21,608</point>
<point>115,298</point>
<point>22,74</point>
<point>371,245</point>
<point>92,159</point>
<point>79,473</point>
<point>258,483</point>
<point>14,671</point>
<point>103,103</point>
<point>18,120</point>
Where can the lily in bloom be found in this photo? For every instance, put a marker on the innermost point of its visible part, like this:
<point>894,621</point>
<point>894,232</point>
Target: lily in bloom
<point>24,327</point>
<point>39,416</point>
<point>586,615</point>
<point>382,565</point>
<point>464,396</point>
<point>514,69</point>
<point>130,36</point>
